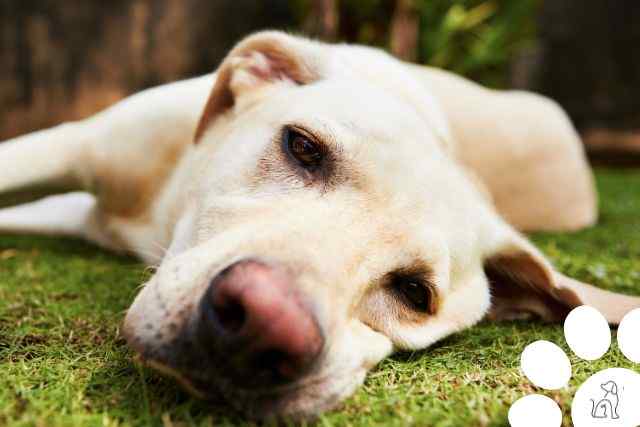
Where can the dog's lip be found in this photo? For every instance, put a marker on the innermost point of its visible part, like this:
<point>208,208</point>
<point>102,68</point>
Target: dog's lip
<point>189,383</point>
<point>269,399</point>
<point>144,357</point>
<point>181,379</point>
<point>256,403</point>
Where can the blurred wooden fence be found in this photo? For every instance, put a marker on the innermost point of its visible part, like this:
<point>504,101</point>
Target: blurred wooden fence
<point>65,59</point>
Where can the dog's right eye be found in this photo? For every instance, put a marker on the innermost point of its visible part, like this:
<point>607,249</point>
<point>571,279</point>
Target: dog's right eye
<point>304,150</point>
<point>415,294</point>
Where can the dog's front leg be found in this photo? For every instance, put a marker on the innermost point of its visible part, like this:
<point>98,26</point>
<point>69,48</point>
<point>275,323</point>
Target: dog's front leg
<point>42,163</point>
<point>63,214</point>
<point>124,157</point>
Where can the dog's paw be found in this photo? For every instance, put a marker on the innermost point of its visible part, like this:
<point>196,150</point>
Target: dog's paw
<point>609,398</point>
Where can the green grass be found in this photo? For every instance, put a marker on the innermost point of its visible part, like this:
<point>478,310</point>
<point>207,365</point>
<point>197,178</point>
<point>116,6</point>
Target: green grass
<point>63,364</point>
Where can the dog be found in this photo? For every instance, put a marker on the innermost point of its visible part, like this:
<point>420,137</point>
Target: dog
<point>607,407</point>
<point>321,207</point>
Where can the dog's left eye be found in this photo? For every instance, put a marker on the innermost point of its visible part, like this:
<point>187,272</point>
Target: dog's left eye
<point>303,149</point>
<point>415,294</point>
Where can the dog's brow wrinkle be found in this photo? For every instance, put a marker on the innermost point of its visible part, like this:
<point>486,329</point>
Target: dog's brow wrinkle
<point>353,126</point>
<point>363,133</point>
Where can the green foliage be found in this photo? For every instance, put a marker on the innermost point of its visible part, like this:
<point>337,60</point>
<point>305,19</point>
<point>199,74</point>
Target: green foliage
<point>475,38</point>
<point>62,362</point>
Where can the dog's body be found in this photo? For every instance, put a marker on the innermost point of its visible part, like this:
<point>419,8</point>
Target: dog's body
<point>396,174</point>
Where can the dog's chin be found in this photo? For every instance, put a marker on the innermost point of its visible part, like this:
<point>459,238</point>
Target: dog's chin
<point>302,401</point>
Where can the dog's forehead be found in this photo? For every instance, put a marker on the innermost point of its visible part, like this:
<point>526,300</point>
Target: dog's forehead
<point>353,110</point>
<point>378,135</point>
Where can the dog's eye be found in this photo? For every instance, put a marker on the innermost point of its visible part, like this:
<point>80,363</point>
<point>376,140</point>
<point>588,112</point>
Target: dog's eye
<point>415,294</point>
<point>303,149</point>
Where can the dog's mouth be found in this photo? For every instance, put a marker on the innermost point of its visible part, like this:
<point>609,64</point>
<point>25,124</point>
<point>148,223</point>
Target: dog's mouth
<point>209,389</point>
<point>304,399</point>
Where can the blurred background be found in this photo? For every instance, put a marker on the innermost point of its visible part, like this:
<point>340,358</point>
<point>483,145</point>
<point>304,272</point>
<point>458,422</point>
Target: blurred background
<point>62,60</point>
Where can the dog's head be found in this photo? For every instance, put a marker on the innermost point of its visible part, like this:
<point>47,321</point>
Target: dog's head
<point>325,224</point>
<point>610,388</point>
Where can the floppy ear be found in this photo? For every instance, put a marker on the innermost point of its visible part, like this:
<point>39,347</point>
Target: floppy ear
<point>260,60</point>
<point>523,282</point>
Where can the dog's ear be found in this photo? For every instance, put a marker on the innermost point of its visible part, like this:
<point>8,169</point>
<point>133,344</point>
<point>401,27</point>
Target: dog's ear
<point>523,282</point>
<point>260,60</point>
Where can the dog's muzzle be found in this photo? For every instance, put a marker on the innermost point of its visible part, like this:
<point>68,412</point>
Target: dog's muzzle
<point>249,333</point>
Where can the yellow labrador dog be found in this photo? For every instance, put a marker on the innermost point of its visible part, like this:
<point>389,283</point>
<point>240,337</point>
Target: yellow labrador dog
<point>321,206</point>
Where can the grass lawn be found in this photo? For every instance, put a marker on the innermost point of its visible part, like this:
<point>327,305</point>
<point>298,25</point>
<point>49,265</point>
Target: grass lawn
<point>63,364</point>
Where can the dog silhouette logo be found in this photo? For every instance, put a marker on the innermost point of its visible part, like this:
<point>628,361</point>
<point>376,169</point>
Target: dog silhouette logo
<point>607,407</point>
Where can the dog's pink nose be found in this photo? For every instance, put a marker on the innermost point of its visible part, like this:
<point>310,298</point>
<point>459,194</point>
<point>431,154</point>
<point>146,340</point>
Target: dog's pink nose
<point>258,315</point>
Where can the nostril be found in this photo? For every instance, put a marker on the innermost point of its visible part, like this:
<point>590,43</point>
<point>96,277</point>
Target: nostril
<point>231,315</point>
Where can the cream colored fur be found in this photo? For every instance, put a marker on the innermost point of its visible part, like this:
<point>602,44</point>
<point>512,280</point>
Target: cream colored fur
<point>433,170</point>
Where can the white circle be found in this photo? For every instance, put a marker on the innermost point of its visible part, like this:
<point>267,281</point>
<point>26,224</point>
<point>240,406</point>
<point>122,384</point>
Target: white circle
<point>608,398</point>
<point>546,365</point>
<point>587,332</point>
<point>535,410</point>
<point>629,335</point>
